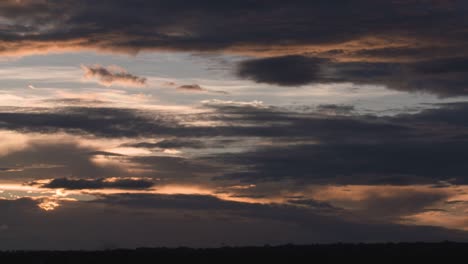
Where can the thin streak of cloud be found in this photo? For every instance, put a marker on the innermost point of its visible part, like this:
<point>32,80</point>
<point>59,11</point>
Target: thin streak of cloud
<point>197,88</point>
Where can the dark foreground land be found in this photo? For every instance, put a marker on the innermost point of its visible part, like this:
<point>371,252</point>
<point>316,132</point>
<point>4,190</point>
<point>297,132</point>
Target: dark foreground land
<point>338,253</point>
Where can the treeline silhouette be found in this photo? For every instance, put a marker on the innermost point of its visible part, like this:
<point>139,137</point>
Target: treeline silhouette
<point>445,252</point>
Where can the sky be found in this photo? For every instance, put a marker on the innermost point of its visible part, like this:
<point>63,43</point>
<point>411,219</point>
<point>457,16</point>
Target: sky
<point>137,123</point>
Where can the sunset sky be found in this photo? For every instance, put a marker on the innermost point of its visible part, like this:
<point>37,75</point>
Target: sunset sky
<point>141,123</point>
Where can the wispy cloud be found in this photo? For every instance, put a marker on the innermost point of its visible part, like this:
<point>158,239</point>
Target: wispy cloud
<point>197,88</point>
<point>112,75</point>
<point>78,184</point>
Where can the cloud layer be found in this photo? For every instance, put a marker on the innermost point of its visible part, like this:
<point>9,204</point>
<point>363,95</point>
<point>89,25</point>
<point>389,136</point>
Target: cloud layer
<point>417,45</point>
<point>444,77</point>
<point>266,122</point>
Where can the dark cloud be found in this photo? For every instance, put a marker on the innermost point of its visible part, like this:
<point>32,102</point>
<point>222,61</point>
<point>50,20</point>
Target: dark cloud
<point>177,169</point>
<point>116,183</point>
<point>107,122</point>
<point>312,204</point>
<point>275,122</point>
<point>43,159</point>
<point>302,212</point>
<point>115,122</point>
<point>444,77</point>
<point>380,163</point>
<point>191,88</point>
<point>423,76</point>
<point>197,88</point>
<point>388,207</point>
<point>287,71</point>
<point>209,25</point>
<point>178,201</point>
<point>105,153</point>
<point>443,66</point>
<point>172,144</point>
<point>359,149</point>
<point>240,121</point>
<point>173,221</point>
<point>112,75</point>
<point>335,109</point>
<point>417,45</point>
<point>313,147</point>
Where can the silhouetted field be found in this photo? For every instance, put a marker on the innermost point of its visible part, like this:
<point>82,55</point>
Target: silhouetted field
<point>446,252</point>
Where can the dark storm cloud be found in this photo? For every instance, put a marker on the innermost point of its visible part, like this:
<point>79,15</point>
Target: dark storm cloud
<point>79,184</point>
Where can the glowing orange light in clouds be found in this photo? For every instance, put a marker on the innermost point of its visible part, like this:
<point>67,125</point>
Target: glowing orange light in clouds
<point>48,205</point>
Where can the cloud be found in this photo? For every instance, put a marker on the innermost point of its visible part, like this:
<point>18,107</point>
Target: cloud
<point>394,206</point>
<point>287,71</point>
<point>330,109</point>
<point>100,121</point>
<point>175,220</point>
<point>172,144</point>
<point>300,146</point>
<point>112,75</point>
<point>9,169</point>
<point>46,158</point>
<point>397,49</point>
<point>178,169</point>
<point>400,163</point>
<point>313,204</point>
<point>147,25</point>
<point>197,88</point>
<point>254,118</point>
<point>354,149</point>
<point>191,88</point>
<point>109,183</point>
<point>444,77</point>
<point>276,160</point>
